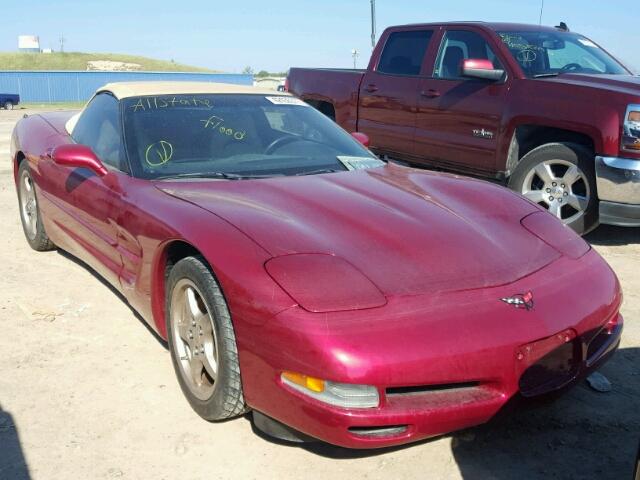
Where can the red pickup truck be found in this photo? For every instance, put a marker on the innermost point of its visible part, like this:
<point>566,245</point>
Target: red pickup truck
<point>545,110</point>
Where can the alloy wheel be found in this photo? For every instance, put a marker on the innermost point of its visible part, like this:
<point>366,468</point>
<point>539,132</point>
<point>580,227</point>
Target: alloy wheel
<point>559,186</point>
<point>28,205</point>
<point>194,339</point>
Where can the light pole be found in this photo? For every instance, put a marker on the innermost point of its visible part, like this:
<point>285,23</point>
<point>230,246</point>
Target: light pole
<point>373,23</point>
<point>354,54</point>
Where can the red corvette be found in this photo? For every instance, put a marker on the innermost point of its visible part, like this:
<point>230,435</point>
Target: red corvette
<point>295,274</point>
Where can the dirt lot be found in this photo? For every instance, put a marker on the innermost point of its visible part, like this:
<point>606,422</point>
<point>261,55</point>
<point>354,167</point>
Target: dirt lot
<point>86,391</point>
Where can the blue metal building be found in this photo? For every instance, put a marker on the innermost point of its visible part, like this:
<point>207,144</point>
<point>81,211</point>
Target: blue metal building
<point>69,86</point>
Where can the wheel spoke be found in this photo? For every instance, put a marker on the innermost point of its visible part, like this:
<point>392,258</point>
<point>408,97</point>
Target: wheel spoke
<point>196,366</point>
<point>536,196</point>
<point>572,175</point>
<point>209,363</point>
<point>27,184</point>
<point>545,173</point>
<point>192,307</point>
<point>577,201</point>
<point>556,209</point>
<point>183,330</point>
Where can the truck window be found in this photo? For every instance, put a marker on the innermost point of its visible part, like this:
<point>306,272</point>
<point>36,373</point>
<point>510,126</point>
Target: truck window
<point>404,51</point>
<point>458,45</point>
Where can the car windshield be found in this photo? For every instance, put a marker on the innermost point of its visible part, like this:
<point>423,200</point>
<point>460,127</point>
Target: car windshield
<point>546,53</point>
<point>235,136</point>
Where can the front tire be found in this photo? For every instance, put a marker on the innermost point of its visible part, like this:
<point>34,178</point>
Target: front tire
<point>202,341</point>
<point>30,216</point>
<point>561,178</point>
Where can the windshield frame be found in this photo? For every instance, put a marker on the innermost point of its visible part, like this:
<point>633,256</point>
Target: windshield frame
<point>550,72</point>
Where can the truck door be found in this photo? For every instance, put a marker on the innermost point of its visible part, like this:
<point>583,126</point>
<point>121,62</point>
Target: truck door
<point>388,93</point>
<point>459,119</point>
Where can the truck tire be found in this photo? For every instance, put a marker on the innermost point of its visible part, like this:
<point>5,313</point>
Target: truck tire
<point>561,178</point>
<point>8,106</point>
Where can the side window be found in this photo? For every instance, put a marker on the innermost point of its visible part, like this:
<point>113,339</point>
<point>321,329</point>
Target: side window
<point>99,128</point>
<point>404,51</point>
<point>459,45</point>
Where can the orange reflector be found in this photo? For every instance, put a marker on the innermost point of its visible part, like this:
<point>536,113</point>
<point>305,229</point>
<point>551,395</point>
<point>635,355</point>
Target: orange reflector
<point>310,383</point>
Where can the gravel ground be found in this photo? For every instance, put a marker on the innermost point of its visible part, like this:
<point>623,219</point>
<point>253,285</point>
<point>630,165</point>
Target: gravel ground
<point>87,391</point>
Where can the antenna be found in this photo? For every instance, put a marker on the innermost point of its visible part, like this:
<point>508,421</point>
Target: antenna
<point>373,23</point>
<point>541,10</point>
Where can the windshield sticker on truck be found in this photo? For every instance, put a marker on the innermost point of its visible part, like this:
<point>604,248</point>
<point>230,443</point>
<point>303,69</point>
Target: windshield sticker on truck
<point>587,43</point>
<point>282,100</point>
<point>359,163</point>
<point>156,103</point>
<point>217,124</point>
<point>158,153</point>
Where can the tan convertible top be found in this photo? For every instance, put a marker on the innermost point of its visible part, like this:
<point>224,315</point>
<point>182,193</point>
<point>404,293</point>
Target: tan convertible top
<point>139,89</point>
<point>136,89</point>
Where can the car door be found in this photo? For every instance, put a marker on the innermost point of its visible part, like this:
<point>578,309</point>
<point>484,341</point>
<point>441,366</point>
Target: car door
<point>458,121</point>
<point>95,203</point>
<point>388,92</point>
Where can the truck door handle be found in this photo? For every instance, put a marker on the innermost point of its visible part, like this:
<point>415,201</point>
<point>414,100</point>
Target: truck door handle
<point>371,88</point>
<point>431,93</point>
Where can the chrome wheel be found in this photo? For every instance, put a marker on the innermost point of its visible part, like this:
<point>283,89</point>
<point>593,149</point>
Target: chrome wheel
<point>28,205</point>
<point>559,186</point>
<point>195,344</point>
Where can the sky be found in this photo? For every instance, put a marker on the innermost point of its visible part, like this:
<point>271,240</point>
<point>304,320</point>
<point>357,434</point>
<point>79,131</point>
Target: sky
<point>276,35</point>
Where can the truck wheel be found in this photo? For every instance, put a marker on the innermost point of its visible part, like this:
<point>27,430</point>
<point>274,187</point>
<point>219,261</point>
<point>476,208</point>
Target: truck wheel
<point>8,106</point>
<point>560,177</point>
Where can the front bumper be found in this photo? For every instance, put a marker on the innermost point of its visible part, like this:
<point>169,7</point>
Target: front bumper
<point>437,369</point>
<point>618,183</point>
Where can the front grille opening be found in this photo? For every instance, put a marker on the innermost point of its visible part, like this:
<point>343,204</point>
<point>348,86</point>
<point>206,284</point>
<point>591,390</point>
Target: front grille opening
<point>421,389</point>
<point>378,432</point>
<point>598,343</point>
<point>551,372</point>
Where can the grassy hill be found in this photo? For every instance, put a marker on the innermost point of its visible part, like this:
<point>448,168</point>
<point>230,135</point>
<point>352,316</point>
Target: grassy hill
<point>78,61</point>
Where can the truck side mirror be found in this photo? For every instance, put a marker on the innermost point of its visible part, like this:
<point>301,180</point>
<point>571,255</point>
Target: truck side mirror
<point>480,68</point>
<point>363,138</point>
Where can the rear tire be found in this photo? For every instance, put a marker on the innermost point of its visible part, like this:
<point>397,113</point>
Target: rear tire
<point>202,341</point>
<point>30,216</point>
<point>561,178</point>
<point>8,106</point>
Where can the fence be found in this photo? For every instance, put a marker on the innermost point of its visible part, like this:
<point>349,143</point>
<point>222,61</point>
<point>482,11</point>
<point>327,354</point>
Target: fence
<point>65,86</point>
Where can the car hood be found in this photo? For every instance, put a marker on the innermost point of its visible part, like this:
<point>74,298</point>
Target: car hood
<point>408,231</point>
<point>627,84</point>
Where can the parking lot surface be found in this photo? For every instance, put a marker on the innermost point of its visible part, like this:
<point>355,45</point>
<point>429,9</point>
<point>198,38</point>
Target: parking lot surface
<point>87,391</point>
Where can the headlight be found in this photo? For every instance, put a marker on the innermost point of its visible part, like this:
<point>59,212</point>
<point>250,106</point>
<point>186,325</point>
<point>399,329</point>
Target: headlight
<point>631,129</point>
<point>551,231</point>
<point>338,394</point>
<point>324,283</point>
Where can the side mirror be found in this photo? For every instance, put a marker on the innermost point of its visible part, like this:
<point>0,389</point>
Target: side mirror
<point>79,156</point>
<point>480,68</point>
<point>363,138</point>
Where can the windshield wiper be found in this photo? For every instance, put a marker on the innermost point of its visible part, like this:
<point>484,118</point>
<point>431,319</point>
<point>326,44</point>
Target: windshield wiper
<point>318,171</point>
<point>223,175</point>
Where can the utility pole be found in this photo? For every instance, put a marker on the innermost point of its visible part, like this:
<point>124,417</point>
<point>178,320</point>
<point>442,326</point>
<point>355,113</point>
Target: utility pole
<point>541,10</point>
<point>373,23</point>
<point>354,54</point>
<point>62,39</point>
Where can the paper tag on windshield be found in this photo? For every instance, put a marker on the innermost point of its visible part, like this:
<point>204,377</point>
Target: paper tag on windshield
<point>282,100</point>
<point>359,163</point>
<point>587,43</point>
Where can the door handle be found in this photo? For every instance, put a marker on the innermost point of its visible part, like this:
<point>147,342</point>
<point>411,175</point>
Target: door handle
<point>431,93</point>
<point>371,88</point>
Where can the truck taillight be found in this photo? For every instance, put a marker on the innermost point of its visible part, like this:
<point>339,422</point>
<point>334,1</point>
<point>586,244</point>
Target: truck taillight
<point>631,129</point>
